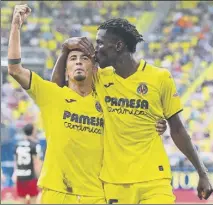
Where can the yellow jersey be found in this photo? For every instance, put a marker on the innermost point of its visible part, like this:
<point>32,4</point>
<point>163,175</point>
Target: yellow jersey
<point>133,150</point>
<point>74,132</point>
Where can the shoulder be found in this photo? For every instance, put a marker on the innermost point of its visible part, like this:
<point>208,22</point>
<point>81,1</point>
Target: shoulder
<point>160,73</point>
<point>37,79</point>
<point>157,70</point>
<point>105,71</point>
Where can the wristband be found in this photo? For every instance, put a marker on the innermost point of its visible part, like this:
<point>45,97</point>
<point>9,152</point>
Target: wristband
<point>14,61</point>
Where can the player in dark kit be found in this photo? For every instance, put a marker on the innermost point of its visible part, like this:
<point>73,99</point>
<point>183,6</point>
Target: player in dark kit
<point>28,165</point>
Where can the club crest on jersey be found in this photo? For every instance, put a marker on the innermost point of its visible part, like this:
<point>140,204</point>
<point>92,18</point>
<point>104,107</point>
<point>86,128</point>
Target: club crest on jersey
<point>142,89</point>
<point>98,107</point>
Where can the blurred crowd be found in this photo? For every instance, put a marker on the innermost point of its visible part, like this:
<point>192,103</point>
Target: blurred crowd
<point>182,42</point>
<point>44,27</point>
<point>17,106</point>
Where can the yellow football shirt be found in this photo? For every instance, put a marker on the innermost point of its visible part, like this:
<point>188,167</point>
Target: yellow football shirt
<point>133,150</point>
<point>74,134</point>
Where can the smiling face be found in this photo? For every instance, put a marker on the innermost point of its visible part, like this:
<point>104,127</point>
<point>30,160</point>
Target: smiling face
<point>79,66</point>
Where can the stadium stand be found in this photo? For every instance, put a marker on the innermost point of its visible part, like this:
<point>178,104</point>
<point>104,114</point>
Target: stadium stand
<point>184,44</point>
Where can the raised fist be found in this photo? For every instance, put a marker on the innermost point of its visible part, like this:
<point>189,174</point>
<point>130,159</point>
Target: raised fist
<point>21,12</point>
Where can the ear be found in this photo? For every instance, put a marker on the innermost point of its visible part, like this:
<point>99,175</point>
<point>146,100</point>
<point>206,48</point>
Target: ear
<point>95,73</point>
<point>119,46</point>
<point>95,70</point>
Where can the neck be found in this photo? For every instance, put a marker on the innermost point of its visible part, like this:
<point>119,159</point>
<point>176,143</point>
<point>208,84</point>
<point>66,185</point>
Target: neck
<point>83,88</point>
<point>126,65</point>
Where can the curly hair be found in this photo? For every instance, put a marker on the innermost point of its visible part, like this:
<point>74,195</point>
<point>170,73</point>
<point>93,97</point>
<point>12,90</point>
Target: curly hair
<point>125,30</point>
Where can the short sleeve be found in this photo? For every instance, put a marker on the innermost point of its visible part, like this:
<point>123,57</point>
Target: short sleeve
<point>169,97</point>
<point>42,91</point>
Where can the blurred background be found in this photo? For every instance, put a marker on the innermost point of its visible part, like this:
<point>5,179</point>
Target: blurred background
<point>178,36</point>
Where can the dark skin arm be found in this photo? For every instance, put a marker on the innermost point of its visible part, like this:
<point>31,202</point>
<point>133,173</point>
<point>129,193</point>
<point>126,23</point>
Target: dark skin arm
<point>59,69</point>
<point>58,75</point>
<point>183,141</point>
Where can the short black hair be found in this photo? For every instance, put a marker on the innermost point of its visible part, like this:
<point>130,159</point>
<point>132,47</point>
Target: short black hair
<point>28,129</point>
<point>125,30</point>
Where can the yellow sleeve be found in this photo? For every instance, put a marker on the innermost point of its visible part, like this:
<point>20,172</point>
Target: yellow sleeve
<point>42,91</point>
<point>169,97</point>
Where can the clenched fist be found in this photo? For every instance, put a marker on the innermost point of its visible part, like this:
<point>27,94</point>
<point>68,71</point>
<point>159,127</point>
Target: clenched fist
<point>21,12</point>
<point>204,187</point>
